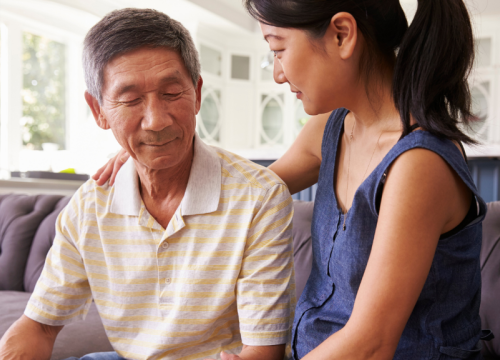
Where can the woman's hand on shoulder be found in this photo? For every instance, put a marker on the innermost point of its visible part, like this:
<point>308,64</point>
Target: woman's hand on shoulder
<point>299,166</point>
<point>109,171</point>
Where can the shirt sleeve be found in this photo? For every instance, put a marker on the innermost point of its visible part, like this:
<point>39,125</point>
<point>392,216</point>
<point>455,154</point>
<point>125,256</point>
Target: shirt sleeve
<point>62,294</point>
<point>266,285</point>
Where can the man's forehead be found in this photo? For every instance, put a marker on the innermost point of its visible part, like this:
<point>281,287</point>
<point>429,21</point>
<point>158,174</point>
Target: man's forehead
<point>162,66</point>
<point>130,83</point>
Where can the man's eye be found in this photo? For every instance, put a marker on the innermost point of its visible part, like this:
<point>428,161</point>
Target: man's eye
<point>172,95</point>
<point>131,102</point>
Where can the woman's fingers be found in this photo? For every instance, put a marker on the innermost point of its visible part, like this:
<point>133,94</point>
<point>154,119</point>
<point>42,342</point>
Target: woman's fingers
<point>120,159</point>
<point>99,172</point>
<point>109,171</point>
<point>225,356</point>
<point>105,173</point>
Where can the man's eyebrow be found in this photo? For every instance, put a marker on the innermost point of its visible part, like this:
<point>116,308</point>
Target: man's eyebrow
<point>274,36</point>
<point>172,78</point>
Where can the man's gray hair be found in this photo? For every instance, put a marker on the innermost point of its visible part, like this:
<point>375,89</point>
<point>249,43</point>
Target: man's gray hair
<point>129,29</point>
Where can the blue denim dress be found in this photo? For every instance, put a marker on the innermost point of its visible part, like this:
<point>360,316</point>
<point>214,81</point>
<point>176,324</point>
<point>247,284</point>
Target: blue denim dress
<point>445,322</point>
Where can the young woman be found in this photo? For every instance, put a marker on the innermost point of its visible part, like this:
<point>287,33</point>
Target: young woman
<point>397,218</point>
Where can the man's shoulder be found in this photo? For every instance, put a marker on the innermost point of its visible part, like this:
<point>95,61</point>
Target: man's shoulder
<point>90,193</point>
<point>238,169</point>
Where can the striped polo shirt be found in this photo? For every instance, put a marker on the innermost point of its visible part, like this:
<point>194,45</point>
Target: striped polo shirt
<point>219,276</point>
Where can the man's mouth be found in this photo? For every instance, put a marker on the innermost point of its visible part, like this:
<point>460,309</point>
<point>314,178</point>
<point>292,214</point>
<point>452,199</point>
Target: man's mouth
<point>158,144</point>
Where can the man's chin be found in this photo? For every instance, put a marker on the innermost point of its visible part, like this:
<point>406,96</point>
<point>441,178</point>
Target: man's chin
<point>159,162</point>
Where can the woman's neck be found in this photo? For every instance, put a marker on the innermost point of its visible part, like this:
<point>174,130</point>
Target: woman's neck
<point>373,107</point>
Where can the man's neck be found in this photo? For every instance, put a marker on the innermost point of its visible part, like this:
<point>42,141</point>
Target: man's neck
<point>162,190</point>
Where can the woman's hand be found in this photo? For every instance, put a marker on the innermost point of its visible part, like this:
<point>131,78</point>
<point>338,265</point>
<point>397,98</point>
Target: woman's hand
<point>110,170</point>
<point>225,356</point>
<point>271,352</point>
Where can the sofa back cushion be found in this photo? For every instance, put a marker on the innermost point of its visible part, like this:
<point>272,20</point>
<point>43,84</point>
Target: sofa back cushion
<point>302,244</point>
<point>20,217</point>
<point>42,242</point>
<point>490,274</point>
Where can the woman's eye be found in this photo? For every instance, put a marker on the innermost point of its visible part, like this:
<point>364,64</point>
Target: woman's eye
<point>276,52</point>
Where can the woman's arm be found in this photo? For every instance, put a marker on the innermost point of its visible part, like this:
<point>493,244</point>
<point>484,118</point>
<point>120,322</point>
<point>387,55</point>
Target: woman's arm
<point>423,197</point>
<point>298,167</point>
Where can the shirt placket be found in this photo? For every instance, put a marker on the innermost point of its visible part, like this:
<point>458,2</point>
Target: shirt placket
<point>166,270</point>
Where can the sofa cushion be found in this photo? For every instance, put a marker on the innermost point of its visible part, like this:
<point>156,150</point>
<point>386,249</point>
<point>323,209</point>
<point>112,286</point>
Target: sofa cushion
<point>490,274</point>
<point>20,216</point>
<point>42,242</point>
<point>302,243</point>
<point>76,339</point>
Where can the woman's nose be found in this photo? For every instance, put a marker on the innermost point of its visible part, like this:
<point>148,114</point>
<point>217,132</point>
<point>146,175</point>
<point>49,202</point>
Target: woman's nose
<point>278,74</point>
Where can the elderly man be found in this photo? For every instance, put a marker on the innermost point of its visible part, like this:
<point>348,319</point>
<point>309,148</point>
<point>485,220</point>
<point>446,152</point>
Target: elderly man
<point>189,253</point>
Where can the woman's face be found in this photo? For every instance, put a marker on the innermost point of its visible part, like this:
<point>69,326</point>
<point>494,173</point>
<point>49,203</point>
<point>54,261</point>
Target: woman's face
<point>322,72</point>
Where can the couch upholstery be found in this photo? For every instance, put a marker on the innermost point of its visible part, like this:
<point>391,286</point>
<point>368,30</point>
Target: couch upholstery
<point>490,276</point>
<point>26,234</point>
<point>27,231</point>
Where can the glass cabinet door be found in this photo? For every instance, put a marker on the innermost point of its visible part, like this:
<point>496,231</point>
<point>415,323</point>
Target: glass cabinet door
<point>209,120</point>
<point>480,110</point>
<point>272,120</point>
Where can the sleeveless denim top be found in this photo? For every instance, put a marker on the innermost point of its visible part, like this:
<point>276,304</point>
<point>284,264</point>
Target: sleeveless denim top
<point>445,322</point>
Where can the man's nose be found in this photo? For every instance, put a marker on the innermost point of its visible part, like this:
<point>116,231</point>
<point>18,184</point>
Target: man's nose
<point>156,116</point>
<point>278,74</point>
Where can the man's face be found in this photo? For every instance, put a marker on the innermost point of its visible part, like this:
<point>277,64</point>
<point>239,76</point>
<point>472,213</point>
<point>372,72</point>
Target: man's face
<point>150,104</point>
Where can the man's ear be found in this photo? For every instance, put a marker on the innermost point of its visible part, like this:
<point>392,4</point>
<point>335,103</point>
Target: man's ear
<point>344,28</point>
<point>198,94</point>
<point>96,111</point>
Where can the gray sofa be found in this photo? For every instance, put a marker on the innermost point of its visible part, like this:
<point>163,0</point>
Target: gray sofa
<point>27,231</point>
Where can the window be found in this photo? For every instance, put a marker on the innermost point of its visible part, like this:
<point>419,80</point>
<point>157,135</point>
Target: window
<point>43,93</point>
<point>480,108</point>
<point>240,67</point>
<point>483,52</point>
<point>211,60</point>
<point>482,123</point>
<point>301,117</point>
<point>209,121</point>
<point>272,121</point>
<point>267,67</point>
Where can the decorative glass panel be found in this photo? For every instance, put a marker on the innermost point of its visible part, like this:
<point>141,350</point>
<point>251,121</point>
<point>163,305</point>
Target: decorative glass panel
<point>301,117</point>
<point>44,92</point>
<point>480,109</point>
<point>272,121</point>
<point>240,67</point>
<point>483,52</point>
<point>211,60</point>
<point>209,124</point>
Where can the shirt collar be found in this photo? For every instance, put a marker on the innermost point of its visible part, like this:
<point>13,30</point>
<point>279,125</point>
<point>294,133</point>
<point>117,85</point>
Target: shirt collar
<point>202,192</point>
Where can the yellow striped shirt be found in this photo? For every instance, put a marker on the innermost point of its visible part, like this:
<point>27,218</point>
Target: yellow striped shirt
<point>219,276</point>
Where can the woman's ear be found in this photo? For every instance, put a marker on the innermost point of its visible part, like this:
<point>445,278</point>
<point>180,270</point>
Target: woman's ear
<point>96,111</point>
<point>344,30</point>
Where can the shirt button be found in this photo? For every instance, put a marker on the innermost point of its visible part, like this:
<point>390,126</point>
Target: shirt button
<point>168,281</point>
<point>164,245</point>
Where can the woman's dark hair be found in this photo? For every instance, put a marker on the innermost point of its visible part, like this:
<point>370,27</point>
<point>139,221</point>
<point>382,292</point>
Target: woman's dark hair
<point>434,55</point>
